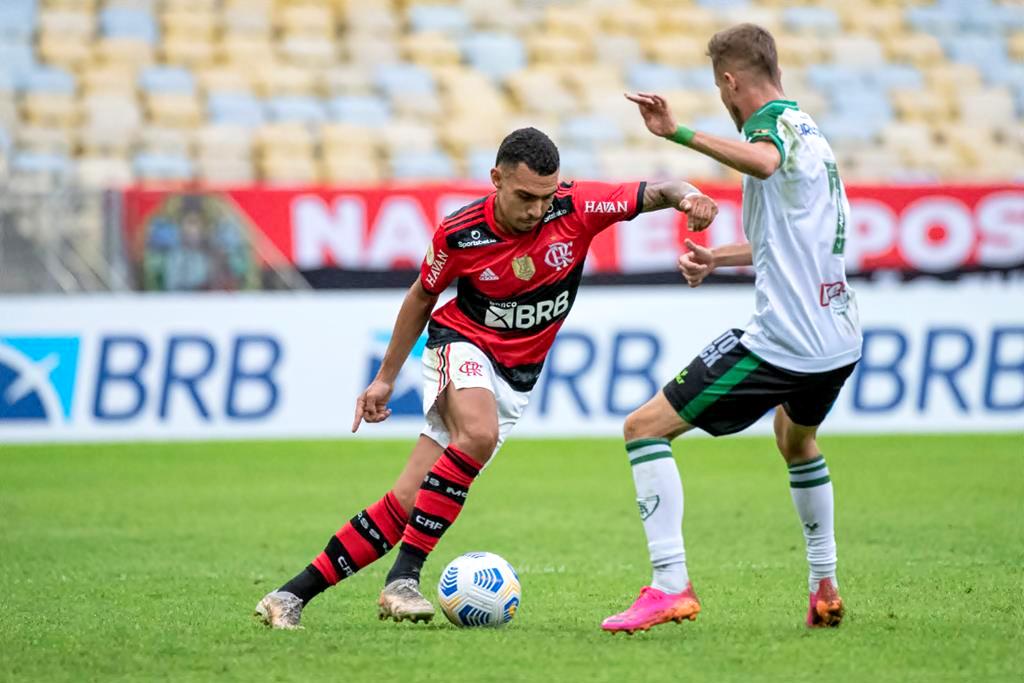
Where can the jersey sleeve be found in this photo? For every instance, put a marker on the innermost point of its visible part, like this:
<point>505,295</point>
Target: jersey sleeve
<point>602,205</point>
<point>764,125</point>
<point>438,269</point>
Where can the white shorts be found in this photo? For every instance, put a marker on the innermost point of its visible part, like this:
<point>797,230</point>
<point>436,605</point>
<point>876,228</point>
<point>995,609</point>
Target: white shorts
<point>465,366</point>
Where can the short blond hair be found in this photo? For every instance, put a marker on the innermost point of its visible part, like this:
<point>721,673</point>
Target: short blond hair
<point>746,46</point>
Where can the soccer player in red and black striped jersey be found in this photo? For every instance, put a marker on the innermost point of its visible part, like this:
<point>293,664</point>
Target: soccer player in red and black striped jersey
<point>517,255</point>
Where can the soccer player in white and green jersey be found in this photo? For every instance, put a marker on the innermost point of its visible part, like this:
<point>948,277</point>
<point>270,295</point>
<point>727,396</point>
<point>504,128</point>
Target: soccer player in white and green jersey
<point>796,352</point>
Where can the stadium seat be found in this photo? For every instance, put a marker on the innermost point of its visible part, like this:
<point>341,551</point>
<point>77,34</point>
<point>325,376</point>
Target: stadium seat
<point>430,49</point>
<point>118,22</point>
<point>100,173</point>
<point>495,54</point>
<point>353,170</point>
<point>40,163</point>
<point>814,20</point>
<point>225,80</point>
<point>289,171</point>
<point>217,171</point>
<point>360,110</point>
<point>37,139</point>
<point>123,51</point>
<point>49,80</point>
<point>118,79</point>
<point>17,20</point>
<point>225,141</point>
<point>444,19</point>
<point>236,109</point>
<point>163,79</point>
<point>175,110</point>
<point>430,165</point>
<point>60,51</point>
<point>98,140</point>
<point>648,77</point>
<point>48,109</point>
<point>345,80</point>
<point>404,80</point>
<point>296,109</point>
<point>188,51</point>
<point>159,168</point>
<point>174,141</point>
<point>280,79</point>
<point>591,130</point>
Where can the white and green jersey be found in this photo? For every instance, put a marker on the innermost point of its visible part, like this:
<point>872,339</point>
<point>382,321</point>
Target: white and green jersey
<point>805,318</point>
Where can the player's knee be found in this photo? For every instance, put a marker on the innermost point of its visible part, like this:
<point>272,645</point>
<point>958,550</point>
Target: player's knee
<point>478,441</point>
<point>634,427</point>
<point>795,447</point>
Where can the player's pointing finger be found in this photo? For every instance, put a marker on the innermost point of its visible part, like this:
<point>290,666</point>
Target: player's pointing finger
<point>359,414</point>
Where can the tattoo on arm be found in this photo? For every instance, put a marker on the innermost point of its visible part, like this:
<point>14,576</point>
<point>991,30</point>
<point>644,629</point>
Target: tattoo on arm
<point>666,194</point>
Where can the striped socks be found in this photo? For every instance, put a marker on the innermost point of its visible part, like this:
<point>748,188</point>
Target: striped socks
<point>811,489</point>
<point>364,539</point>
<point>659,494</point>
<point>438,503</point>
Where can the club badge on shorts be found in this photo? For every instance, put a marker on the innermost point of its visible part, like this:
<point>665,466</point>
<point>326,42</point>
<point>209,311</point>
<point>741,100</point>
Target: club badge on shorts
<point>523,267</point>
<point>430,254</point>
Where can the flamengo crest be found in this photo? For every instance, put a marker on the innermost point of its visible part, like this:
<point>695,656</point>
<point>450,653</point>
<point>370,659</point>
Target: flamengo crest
<point>559,255</point>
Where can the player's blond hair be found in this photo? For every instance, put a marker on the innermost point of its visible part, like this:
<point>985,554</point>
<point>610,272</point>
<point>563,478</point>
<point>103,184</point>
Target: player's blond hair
<point>745,47</point>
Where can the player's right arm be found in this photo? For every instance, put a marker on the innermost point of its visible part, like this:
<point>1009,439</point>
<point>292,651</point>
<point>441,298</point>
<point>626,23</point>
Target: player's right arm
<point>436,273</point>
<point>760,157</point>
<point>699,262</point>
<point>372,404</point>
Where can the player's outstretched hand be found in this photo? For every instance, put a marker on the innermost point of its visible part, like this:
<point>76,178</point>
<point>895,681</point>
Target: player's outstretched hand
<point>656,113</point>
<point>372,404</point>
<point>700,211</point>
<point>696,264</point>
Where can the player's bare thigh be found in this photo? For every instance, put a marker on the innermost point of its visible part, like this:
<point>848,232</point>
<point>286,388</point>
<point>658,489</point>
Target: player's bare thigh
<point>797,443</point>
<point>656,419</point>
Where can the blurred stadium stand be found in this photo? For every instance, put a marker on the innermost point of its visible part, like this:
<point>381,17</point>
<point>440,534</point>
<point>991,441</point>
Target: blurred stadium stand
<point>107,92</point>
<point>101,94</point>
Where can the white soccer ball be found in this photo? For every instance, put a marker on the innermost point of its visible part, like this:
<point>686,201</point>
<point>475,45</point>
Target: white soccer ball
<point>479,589</point>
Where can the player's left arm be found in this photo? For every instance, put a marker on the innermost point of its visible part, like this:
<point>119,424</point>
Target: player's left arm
<point>680,195</point>
<point>759,157</point>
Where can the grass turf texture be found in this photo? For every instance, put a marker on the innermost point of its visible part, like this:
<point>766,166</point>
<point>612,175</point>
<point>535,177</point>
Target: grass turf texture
<point>144,562</point>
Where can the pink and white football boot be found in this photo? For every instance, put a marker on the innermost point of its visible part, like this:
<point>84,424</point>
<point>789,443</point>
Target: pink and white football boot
<point>654,607</point>
<point>826,608</point>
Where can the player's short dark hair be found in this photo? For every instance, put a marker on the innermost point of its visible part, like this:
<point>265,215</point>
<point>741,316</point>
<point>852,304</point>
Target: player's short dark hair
<point>531,147</point>
<point>745,46</point>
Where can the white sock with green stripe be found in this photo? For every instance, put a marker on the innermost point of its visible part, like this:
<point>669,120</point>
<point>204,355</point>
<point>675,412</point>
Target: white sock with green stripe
<point>659,493</point>
<point>811,488</point>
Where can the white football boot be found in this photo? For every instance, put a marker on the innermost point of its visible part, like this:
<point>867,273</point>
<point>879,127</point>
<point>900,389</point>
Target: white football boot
<point>280,609</point>
<point>401,599</point>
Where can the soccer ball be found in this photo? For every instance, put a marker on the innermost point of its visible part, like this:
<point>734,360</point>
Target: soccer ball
<point>479,589</point>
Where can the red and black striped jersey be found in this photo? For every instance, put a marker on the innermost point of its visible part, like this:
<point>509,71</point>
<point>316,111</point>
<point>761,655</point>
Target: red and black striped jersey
<point>515,291</point>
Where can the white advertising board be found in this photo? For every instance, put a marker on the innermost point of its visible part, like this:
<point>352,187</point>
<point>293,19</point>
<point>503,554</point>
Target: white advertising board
<point>938,357</point>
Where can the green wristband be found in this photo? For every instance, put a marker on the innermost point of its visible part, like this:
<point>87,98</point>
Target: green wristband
<point>683,136</point>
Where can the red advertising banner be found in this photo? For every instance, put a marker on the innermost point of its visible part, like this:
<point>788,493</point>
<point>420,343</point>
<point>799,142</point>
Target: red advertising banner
<point>920,228</point>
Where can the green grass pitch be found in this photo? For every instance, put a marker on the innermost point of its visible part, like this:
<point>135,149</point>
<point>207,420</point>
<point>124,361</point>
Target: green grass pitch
<point>143,562</point>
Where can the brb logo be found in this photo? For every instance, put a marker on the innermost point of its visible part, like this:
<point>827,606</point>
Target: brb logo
<point>37,378</point>
<point>407,398</point>
<point>127,378</point>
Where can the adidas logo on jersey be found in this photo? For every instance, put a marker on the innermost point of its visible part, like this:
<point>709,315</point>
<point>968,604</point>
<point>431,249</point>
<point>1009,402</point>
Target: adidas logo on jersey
<point>488,276</point>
